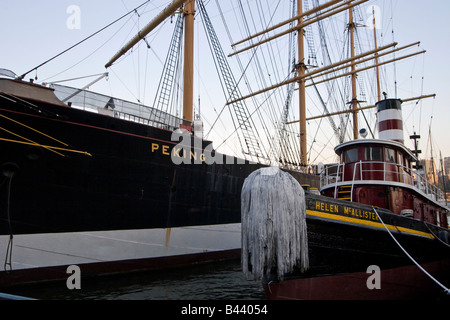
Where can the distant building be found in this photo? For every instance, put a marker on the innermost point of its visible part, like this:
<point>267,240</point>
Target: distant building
<point>429,166</point>
<point>447,167</point>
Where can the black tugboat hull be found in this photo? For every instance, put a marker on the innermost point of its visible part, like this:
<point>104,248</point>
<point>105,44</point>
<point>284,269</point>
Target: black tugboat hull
<point>350,250</point>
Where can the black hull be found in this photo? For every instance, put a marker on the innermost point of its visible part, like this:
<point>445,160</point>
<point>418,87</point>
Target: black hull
<point>342,246</point>
<point>128,180</point>
<point>65,171</point>
<point>123,185</point>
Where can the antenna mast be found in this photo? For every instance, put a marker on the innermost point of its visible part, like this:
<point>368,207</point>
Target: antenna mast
<point>376,54</point>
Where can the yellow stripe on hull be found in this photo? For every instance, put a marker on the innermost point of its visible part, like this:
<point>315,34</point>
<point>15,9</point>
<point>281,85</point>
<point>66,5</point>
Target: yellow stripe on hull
<point>367,223</point>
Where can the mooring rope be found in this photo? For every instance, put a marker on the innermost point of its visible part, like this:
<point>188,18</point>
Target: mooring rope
<point>446,290</point>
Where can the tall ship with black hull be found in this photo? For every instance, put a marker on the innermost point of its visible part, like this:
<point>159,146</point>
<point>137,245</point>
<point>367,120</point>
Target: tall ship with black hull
<point>377,228</point>
<point>109,185</point>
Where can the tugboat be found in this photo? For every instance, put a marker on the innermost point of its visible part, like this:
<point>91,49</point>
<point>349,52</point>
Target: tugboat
<point>378,172</point>
<point>378,230</point>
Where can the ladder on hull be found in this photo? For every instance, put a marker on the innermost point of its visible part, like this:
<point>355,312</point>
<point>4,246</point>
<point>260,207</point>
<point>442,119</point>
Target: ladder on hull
<point>344,192</point>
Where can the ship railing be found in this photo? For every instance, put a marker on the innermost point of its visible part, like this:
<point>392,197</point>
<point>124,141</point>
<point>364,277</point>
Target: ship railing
<point>119,108</point>
<point>352,173</point>
<point>146,121</point>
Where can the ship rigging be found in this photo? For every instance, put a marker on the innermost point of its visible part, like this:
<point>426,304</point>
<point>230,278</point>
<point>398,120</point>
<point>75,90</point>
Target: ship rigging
<point>315,70</point>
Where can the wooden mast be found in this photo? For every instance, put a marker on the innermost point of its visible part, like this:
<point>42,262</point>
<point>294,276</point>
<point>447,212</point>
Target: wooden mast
<point>333,7</point>
<point>188,76</point>
<point>188,73</point>
<point>354,102</point>
<point>301,69</point>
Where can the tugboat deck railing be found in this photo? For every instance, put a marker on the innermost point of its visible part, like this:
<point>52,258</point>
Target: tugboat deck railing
<point>378,171</point>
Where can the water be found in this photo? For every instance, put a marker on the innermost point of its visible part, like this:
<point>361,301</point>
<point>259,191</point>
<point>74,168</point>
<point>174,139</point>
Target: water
<point>213,281</point>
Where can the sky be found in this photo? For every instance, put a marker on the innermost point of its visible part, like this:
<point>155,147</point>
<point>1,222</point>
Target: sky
<point>427,22</point>
<point>33,31</point>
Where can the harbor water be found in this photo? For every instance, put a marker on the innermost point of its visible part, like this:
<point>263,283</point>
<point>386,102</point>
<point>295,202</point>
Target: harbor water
<point>212,281</point>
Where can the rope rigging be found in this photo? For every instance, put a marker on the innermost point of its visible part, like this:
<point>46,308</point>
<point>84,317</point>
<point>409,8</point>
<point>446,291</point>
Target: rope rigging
<point>81,41</point>
<point>264,67</point>
<point>250,143</point>
<point>268,109</point>
<point>168,83</point>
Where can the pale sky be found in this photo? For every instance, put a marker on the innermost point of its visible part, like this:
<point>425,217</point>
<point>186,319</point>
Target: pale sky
<point>32,31</point>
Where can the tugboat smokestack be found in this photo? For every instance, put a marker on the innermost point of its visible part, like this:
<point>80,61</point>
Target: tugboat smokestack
<point>390,122</point>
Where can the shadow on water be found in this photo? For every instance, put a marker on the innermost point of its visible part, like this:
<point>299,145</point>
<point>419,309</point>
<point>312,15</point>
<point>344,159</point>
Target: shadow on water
<point>216,281</point>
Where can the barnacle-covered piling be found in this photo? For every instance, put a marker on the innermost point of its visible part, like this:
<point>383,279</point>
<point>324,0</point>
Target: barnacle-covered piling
<point>274,232</point>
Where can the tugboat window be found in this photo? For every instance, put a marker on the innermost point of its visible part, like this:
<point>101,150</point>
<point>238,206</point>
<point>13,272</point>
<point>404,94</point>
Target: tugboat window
<point>351,155</point>
<point>389,155</point>
<point>373,153</point>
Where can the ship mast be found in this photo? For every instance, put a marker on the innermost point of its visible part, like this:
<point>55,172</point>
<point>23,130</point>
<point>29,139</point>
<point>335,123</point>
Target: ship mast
<point>188,75</point>
<point>301,69</point>
<point>304,19</point>
<point>354,102</point>
<point>330,8</point>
